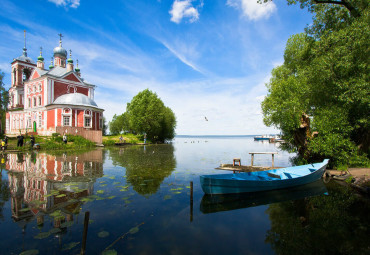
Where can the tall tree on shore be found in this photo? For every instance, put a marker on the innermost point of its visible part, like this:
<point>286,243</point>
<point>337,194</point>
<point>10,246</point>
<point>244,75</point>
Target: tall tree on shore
<point>320,96</point>
<point>4,99</point>
<point>148,115</point>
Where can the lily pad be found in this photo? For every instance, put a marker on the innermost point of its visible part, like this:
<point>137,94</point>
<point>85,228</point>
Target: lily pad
<point>56,213</point>
<point>103,234</point>
<point>66,224</point>
<point>86,199</point>
<point>30,252</point>
<point>100,191</point>
<point>69,246</point>
<point>103,185</point>
<point>109,252</point>
<point>55,230</point>
<point>134,230</point>
<point>166,197</point>
<point>25,209</point>
<point>111,197</point>
<point>42,235</point>
<point>61,195</point>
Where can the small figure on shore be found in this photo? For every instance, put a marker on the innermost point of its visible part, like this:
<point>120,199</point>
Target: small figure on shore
<point>121,139</point>
<point>144,138</point>
<point>20,140</point>
<point>32,141</point>
<point>3,145</point>
<point>6,140</point>
<point>65,139</point>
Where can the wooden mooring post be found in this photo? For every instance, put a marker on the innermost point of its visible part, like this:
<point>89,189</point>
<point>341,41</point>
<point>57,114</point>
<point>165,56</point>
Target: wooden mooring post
<point>191,201</point>
<point>84,235</point>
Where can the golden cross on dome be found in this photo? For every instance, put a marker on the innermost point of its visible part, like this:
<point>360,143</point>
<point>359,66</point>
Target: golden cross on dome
<point>60,38</point>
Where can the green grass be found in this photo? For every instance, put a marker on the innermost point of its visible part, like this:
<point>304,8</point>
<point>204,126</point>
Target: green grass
<point>110,140</point>
<point>54,142</point>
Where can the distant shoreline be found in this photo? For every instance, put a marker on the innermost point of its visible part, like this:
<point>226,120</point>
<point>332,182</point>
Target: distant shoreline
<point>215,136</point>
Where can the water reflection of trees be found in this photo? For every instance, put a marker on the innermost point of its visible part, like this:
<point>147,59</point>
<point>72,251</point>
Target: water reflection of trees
<point>4,192</point>
<point>146,166</point>
<point>333,224</point>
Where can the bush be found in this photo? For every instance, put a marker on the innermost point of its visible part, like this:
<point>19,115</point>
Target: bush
<point>109,142</point>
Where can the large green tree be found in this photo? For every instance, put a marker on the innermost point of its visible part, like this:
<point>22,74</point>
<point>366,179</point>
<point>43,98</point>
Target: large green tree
<point>4,99</point>
<point>146,114</point>
<point>320,96</point>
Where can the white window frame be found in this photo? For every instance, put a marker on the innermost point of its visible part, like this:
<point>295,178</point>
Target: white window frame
<point>87,116</point>
<point>40,120</point>
<point>100,121</point>
<point>67,113</point>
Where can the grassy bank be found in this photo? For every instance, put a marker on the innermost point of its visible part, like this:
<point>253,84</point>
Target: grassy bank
<point>54,142</point>
<point>110,140</point>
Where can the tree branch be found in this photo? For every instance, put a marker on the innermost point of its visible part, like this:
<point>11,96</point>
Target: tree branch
<point>346,4</point>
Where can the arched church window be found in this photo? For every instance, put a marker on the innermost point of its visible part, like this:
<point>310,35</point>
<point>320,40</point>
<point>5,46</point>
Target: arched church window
<point>26,74</point>
<point>40,100</point>
<point>14,76</point>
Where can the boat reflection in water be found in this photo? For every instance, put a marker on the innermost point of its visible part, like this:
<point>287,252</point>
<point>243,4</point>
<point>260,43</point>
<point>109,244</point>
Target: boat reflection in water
<point>227,202</point>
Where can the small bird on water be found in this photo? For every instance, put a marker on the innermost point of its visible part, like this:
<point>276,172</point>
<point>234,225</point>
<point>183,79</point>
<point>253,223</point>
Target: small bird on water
<point>205,118</point>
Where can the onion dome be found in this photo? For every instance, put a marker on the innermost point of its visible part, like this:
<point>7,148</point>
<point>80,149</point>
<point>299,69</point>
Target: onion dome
<point>70,57</point>
<point>60,51</point>
<point>40,58</point>
<point>77,69</point>
<point>51,64</point>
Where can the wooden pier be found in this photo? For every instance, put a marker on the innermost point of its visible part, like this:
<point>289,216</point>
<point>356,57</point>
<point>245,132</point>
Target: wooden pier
<point>240,168</point>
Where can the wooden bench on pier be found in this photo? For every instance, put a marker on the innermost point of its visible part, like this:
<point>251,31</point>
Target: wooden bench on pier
<point>272,154</point>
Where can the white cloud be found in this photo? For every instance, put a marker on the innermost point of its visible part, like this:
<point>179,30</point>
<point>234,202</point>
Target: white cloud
<point>66,3</point>
<point>252,9</point>
<point>184,9</point>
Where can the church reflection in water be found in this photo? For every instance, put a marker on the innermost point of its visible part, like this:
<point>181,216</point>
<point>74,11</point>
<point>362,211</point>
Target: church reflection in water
<point>42,184</point>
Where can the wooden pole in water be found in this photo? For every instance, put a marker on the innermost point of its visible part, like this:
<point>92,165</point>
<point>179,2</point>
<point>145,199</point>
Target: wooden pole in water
<point>84,236</point>
<point>191,201</point>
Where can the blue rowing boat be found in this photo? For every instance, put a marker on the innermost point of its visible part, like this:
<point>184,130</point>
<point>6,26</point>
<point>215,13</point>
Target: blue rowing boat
<point>262,180</point>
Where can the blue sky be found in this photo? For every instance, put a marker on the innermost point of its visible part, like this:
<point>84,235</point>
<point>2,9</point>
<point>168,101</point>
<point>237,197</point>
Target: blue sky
<point>203,58</point>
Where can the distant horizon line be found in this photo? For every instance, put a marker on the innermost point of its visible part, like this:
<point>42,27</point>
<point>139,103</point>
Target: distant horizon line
<point>221,135</point>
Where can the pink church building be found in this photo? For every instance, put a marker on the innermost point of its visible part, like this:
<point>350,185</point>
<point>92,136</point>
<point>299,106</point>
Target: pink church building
<point>55,100</point>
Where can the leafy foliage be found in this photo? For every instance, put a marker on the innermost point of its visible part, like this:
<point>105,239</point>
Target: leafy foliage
<point>146,114</point>
<point>4,99</point>
<point>326,76</point>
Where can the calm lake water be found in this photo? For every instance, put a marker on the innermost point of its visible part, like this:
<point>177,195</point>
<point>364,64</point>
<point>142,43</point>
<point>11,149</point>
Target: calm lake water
<point>138,199</point>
